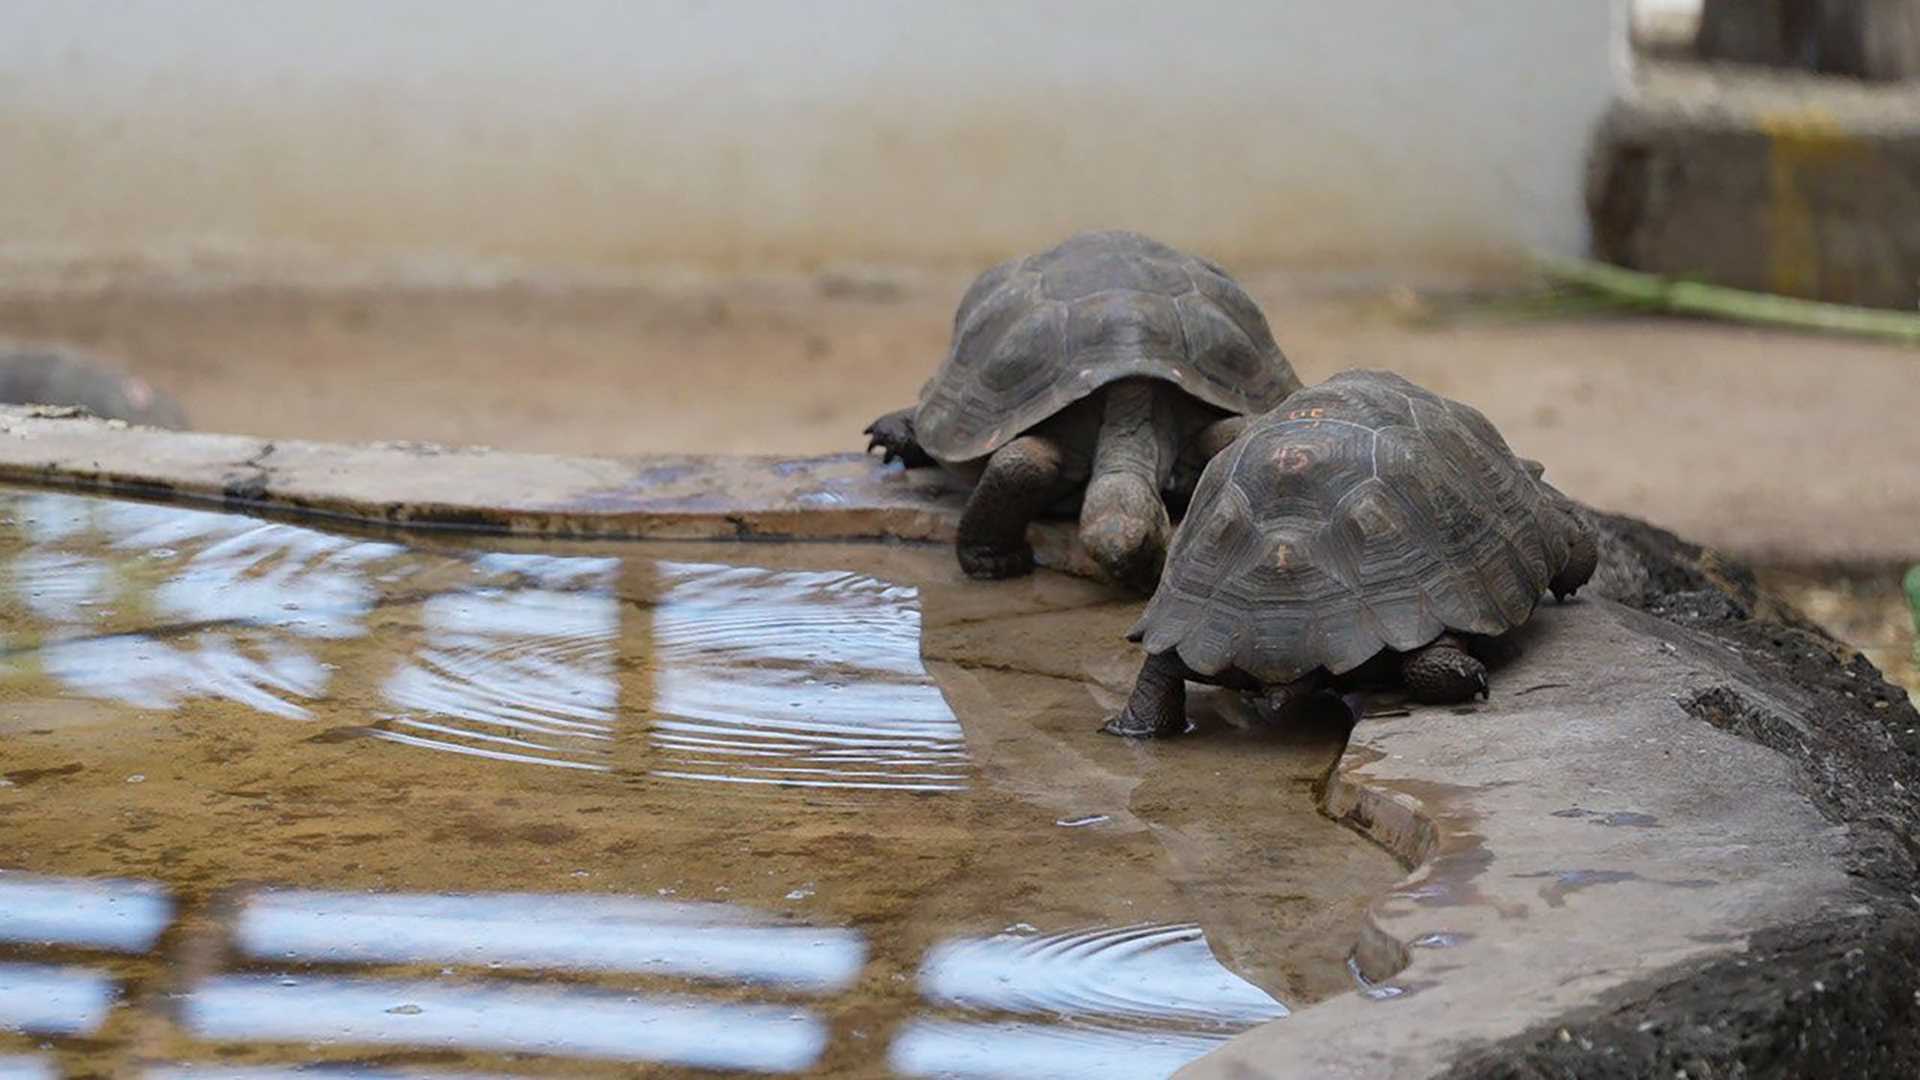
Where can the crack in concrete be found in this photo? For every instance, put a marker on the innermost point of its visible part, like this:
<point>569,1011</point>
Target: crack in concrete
<point>250,488</point>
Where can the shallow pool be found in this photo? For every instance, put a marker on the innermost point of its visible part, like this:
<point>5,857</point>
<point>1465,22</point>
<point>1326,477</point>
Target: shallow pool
<point>274,797</point>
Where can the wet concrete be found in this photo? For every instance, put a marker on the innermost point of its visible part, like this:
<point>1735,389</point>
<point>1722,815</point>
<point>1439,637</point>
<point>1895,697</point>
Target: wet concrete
<point>1588,832</point>
<point>271,795</point>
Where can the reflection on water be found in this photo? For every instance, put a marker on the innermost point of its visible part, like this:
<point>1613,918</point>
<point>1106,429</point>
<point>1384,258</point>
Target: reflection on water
<point>516,672</point>
<point>1125,974</point>
<point>150,674</point>
<point>1017,1051</point>
<point>45,999</point>
<point>257,589</point>
<point>808,680</point>
<point>22,1067</point>
<point>58,586</point>
<point>1129,1001</point>
<point>123,916</point>
<point>329,1071</point>
<point>537,1020</point>
<point>609,736</point>
<point>296,1073</point>
<point>600,933</point>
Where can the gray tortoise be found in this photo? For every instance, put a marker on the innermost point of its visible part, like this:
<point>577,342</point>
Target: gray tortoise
<point>1106,371</point>
<point>57,375</point>
<point>1366,528</point>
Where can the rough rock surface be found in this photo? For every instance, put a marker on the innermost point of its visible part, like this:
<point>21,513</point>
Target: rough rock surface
<point>1810,998</point>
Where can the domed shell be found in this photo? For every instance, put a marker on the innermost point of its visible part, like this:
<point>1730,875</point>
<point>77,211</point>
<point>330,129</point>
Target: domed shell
<point>1035,335</point>
<point>1365,513</point>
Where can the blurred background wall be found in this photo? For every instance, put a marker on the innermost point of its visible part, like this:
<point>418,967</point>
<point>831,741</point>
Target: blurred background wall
<point>1341,134</point>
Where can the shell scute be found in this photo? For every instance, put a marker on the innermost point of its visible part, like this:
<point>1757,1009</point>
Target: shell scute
<point>1385,515</point>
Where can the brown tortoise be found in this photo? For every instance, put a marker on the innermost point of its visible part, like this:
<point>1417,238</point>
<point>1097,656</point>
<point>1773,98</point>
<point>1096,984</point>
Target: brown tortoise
<point>1365,525</point>
<point>1105,371</point>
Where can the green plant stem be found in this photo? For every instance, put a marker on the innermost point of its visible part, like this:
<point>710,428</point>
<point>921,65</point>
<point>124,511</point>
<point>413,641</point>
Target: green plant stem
<point>1656,293</point>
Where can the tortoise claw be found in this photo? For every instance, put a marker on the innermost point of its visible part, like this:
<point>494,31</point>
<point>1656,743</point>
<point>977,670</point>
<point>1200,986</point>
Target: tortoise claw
<point>892,434</point>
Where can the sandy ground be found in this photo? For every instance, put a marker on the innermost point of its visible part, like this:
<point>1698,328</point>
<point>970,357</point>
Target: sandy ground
<point>1781,447</point>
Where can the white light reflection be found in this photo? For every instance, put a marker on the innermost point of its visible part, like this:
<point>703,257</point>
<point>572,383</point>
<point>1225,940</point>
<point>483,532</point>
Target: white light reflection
<point>148,673</point>
<point>529,1020</point>
<point>593,933</point>
<point>1162,973</point>
<point>123,916</point>
<point>271,584</point>
<point>516,673</point>
<point>42,999</point>
<point>329,1071</point>
<point>1017,1051</point>
<point>797,679</point>
<point>24,1067</point>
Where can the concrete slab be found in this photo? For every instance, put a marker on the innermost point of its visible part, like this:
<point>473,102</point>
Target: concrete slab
<point>422,485</point>
<point>1579,831</point>
<point>1763,180</point>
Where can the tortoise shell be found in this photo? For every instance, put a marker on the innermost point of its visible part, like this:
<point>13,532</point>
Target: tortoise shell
<point>1035,335</point>
<point>1365,513</point>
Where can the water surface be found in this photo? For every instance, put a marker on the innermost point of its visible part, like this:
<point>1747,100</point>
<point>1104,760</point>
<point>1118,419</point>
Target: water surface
<point>274,798</point>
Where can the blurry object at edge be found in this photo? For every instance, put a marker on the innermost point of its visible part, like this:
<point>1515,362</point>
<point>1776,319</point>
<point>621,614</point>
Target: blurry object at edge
<point>1868,39</point>
<point>57,375</point>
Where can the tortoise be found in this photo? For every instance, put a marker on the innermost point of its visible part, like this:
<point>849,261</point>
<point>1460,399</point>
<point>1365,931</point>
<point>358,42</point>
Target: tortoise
<point>1106,372</point>
<point>55,375</point>
<point>1366,528</point>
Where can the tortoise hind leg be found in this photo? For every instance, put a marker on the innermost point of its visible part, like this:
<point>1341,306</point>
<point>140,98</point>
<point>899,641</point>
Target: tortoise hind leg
<point>1158,706</point>
<point>1021,480</point>
<point>1123,520</point>
<point>1443,673</point>
<point>893,435</point>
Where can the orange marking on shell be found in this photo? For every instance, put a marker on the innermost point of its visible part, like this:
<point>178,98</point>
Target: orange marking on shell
<point>1292,459</point>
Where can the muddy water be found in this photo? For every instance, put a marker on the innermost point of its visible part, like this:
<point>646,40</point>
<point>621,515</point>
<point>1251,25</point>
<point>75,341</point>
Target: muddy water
<point>271,796</point>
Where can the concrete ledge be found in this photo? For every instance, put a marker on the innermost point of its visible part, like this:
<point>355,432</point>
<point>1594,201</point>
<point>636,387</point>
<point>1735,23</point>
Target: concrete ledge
<point>418,485</point>
<point>1794,184</point>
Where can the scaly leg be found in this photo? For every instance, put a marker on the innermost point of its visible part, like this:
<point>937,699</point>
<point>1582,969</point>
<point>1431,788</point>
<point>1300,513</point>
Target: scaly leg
<point>1021,480</point>
<point>1123,521</point>
<point>1158,707</point>
<point>1444,673</point>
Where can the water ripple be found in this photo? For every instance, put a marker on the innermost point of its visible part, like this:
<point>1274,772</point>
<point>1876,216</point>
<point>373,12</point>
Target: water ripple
<point>522,674</point>
<point>797,679</point>
<point>1148,972</point>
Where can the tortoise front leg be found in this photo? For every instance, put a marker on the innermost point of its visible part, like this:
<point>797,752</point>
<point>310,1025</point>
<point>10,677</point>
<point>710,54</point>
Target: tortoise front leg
<point>1158,706</point>
<point>893,435</point>
<point>1443,672</point>
<point>1021,480</point>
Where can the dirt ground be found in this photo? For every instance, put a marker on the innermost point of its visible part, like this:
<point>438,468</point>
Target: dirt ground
<point>1784,449</point>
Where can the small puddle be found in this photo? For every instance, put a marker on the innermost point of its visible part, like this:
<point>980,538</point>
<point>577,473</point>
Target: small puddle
<point>272,798</point>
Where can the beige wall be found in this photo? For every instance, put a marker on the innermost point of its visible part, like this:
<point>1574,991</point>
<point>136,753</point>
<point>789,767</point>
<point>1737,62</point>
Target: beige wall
<point>1332,133</point>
